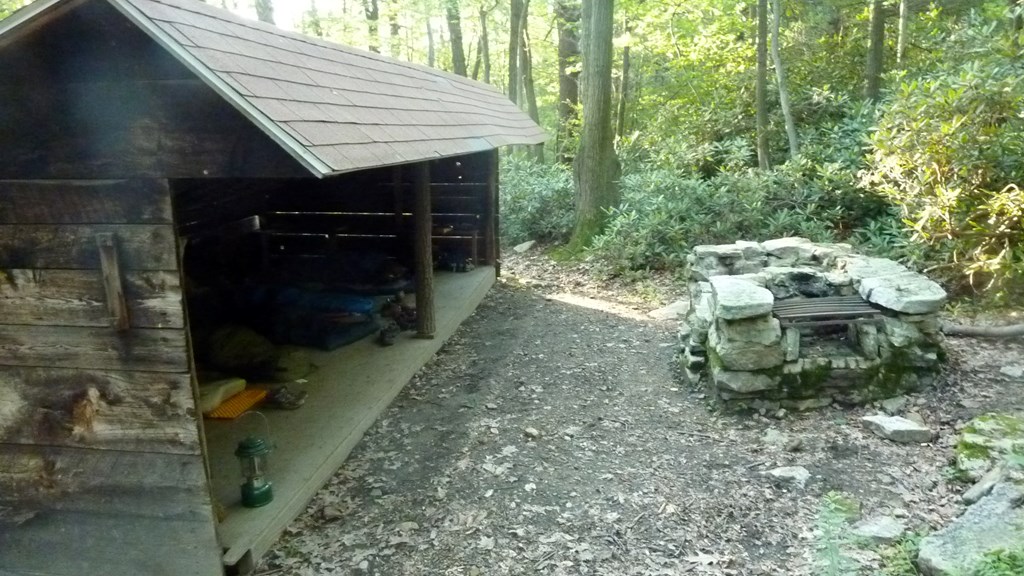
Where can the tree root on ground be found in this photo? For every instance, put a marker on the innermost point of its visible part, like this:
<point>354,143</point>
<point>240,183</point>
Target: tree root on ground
<point>1013,330</point>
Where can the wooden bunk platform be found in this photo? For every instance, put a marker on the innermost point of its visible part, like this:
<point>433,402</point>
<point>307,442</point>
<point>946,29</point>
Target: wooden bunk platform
<point>350,387</point>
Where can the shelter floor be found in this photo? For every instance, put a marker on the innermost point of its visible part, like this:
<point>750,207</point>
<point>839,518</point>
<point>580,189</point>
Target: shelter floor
<point>350,387</point>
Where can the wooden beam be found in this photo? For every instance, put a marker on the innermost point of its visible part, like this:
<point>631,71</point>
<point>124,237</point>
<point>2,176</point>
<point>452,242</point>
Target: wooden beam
<point>77,298</point>
<point>93,348</point>
<point>84,202</point>
<point>425,325</point>
<point>113,286</point>
<point>73,247</point>
<point>491,218</point>
<point>100,410</point>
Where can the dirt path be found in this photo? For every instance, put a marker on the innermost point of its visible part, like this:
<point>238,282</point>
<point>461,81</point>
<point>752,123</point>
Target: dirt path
<point>551,436</point>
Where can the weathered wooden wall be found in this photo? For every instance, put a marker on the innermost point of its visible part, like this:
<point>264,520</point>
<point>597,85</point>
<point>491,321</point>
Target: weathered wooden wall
<point>91,96</point>
<point>99,441</point>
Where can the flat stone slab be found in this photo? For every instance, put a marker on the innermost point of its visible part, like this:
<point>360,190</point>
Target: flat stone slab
<point>794,476</point>
<point>525,246</point>
<point>672,311</point>
<point>718,251</point>
<point>993,523</point>
<point>880,530</point>
<point>743,382</point>
<point>897,429</point>
<point>861,267</point>
<point>735,299</point>
<point>909,292</point>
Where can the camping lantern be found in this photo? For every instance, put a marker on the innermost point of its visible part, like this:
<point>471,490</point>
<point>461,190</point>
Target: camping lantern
<point>252,455</point>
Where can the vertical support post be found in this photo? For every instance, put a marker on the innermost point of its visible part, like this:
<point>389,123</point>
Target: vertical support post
<point>425,326</point>
<point>117,305</point>
<point>396,198</point>
<point>492,250</point>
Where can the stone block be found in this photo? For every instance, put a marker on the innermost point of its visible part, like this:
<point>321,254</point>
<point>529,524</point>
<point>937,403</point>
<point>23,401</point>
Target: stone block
<point>725,251</point>
<point>791,344</point>
<point>880,530</point>
<point>787,282</point>
<point>742,382</point>
<point>994,523</point>
<point>860,267</point>
<point>926,323</point>
<point>838,278</point>
<point>909,292</point>
<point>735,299</point>
<point>807,404</point>
<point>763,330</point>
<point>867,340</point>
<point>900,334</point>
<point>897,429</point>
<point>740,355</point>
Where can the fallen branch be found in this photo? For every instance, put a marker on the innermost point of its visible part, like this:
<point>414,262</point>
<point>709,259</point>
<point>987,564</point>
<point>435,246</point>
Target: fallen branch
<point>1010,331</point>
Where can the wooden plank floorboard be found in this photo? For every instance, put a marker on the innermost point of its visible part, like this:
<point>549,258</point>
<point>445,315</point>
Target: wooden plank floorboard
<point>352,386</point>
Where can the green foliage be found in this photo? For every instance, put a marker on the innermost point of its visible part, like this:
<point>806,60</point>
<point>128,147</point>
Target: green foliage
<point>1001,563</point>
<point>900,558</point>
<point>832,536</point>
<point>949,151</point>
<point>536,201</point>
<point>665,213</point>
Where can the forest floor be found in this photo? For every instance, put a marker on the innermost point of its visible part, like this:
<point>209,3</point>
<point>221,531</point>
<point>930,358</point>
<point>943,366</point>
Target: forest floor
<point>552,435</point>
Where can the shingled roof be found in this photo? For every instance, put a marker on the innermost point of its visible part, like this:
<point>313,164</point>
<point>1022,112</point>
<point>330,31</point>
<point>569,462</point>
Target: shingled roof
<point>334,108</point>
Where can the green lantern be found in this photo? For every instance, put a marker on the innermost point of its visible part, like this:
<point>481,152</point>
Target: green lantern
<point>252,453</point>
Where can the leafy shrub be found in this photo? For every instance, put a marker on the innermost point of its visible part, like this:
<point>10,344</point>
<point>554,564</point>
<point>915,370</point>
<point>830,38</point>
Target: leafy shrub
<point>949,149</point>
<point>1001,563</point>
<point>537,201</point>
<point>664,214</point>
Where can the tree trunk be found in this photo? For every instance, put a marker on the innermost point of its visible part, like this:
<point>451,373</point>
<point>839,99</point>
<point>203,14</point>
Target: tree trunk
<point>1010,331</point>
<point>876,51</point>
<point>901,37</point>
<point>430,44</point>
<point>780,78</point>
<point>515,36</point>
<point>485,46</point>
<point>265,11</point>
<point>620,113</point>
<point>596,168</point>
<point>455,37</point>
<point>395,32</point>
<point>761,85</point>
<point>1016,21</point>
<point>526,67</point>
<point>372,10</point>
<point>567,14</point>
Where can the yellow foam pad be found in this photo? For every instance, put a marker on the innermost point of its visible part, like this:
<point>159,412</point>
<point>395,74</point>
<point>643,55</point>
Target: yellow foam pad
<point>237,405</point>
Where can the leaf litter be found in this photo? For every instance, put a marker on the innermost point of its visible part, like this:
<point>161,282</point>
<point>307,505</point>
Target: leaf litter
<point>556,439</point>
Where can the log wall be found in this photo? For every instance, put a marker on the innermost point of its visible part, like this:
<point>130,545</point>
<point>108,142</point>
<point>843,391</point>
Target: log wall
<point>97,419</point>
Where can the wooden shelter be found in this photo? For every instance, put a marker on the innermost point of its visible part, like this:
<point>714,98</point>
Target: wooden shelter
<point>136,134</point>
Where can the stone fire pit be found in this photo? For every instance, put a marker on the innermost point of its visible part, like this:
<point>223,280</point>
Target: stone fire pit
<point>873,332</point>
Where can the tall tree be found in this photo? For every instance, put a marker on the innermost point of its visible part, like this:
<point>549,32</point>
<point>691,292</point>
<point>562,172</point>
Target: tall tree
<point>526,73</point>
<point>901,34</point>
<point>596,168</point>
<point>265,11</point>
<point>515,36</point>
<point>431,51</point>
<point>372,11</point>
<point>567,14</point>
<point>451,8</point>
<point>1016,21</point>
<point>761,85</point>
<point>485,44</point>
<point>311,21</point>
<point>620,112</point>
<point>394,31</point>
<point>780,79</point>
<point>876,51</point>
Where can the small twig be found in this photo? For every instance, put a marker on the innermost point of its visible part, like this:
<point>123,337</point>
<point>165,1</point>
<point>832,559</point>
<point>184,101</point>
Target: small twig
<point>540,563</point>
<point>700,434</point>
<point>635,520</point>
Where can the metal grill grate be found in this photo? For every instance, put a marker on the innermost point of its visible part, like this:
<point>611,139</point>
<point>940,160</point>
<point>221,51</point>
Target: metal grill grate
<point>830,310</point>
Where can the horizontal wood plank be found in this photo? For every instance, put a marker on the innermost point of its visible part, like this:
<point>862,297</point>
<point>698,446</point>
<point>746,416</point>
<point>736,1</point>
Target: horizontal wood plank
<point>135,411</point>
<point>148,350</point>
<point>104,481</point>
<point>76,298</point>
<point>142,201</point>
<point>141,247</point>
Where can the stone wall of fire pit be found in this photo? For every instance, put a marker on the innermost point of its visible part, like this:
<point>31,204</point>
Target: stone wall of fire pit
<point>732,340</point>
